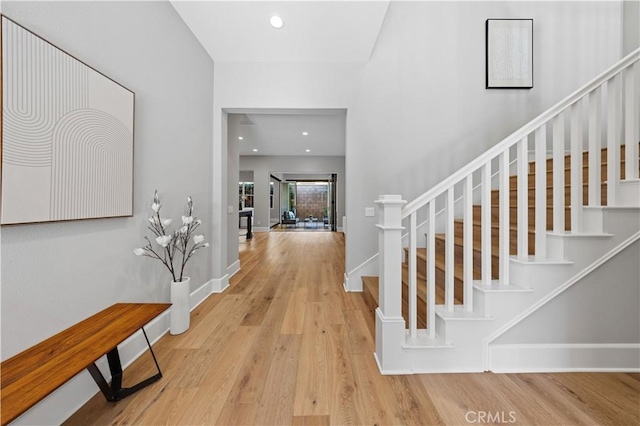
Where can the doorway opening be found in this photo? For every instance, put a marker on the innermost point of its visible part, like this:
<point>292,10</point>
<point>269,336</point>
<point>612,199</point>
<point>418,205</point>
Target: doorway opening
<point>307,203</point>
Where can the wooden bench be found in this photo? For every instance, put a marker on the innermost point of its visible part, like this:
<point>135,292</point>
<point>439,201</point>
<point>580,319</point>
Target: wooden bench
<point>30,376</point>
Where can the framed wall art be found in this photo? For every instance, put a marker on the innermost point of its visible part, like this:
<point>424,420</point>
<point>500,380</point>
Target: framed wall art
<point>67,135</point>
<point>509,53</point>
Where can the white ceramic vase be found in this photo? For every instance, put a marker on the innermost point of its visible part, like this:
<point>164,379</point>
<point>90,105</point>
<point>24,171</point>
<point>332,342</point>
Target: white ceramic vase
<point>180,315</point>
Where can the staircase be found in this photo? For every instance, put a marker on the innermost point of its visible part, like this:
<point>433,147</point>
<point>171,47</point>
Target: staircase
<point>507,240</point>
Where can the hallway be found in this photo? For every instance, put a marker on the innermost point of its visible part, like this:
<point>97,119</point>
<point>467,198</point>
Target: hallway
<point>286,345</point>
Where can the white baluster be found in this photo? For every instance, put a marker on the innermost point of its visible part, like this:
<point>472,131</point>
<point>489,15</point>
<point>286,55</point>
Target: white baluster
<point>505,227</point>
<point>449,252</point>
<point>576,166</point>
<point>613,139</point>
<point>413,276</point>
<point>486,224</point>
<point>558,173</point>
<point>630,120</point>
<point>523,198</point>
<point>431,269</point>
<point>595,147</point>
<point>541,192</point>
<point>467,231</point>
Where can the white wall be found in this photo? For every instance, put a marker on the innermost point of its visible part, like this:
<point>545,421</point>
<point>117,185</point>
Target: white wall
<point>596,310</point>
<point>423,110</point>
<point>245,175</point>
<point>275,209</point>
<point>233,177</point>
<point>631,26</point>
<point>56,274</point>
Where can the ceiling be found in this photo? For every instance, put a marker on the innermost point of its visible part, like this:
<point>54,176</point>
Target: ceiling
<point>276,132</point>
<point>314,31</point>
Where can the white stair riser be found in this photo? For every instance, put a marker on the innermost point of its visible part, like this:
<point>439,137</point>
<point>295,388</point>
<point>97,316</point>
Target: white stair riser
<point>568,247</point>
<point>630,193</point>
<point>527,275</point>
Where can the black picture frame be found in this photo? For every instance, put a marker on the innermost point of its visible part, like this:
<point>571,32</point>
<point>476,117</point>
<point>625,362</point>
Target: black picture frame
<point>509,53</point>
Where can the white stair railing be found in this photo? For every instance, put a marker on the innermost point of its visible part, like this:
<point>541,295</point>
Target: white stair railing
<point>583,109</point>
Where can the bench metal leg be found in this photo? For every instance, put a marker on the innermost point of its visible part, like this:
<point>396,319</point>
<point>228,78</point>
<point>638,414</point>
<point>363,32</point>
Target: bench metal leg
<point>115,391</point>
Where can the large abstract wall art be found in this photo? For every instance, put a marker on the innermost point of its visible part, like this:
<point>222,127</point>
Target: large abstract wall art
<point>67,135</point>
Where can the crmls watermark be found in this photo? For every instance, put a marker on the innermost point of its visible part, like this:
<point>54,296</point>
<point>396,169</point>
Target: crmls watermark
<point>505,417</point>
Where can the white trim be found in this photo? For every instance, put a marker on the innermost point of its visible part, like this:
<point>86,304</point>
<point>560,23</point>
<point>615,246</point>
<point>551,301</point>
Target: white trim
<point>233,268</point>
<point>353,279</point>
<point>390,372</point>
<point>199,295</point>
<point>218,285</point>
<point>81,388</point>
<point>261,229</point>
<point>557,358</point>
<point>570,282</point>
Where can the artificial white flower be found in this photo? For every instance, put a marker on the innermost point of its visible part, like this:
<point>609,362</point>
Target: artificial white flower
<point>174,242</point>
<point>164,240</point>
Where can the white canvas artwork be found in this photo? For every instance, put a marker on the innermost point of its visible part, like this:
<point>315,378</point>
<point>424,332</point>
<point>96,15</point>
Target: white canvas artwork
<point>67,135</point>
<point>509,53</point>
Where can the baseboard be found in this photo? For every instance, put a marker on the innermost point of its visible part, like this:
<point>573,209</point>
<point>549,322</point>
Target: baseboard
<point>70,397</point>
<point>390,372</point>
<point>199,295</point>
<point>261,229</point>
<point>345,282</point>
<point>353,279</point>
<point>556,358</point>
<point>233,268</point>
<point>218,285</point>
<point>487,344</point>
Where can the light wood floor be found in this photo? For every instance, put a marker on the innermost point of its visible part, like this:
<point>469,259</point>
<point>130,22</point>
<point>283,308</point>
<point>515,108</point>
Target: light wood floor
<point>286,345</point>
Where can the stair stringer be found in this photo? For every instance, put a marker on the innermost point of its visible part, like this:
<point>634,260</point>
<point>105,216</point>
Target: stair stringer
<point>460,344</point>
<point>563,356</point>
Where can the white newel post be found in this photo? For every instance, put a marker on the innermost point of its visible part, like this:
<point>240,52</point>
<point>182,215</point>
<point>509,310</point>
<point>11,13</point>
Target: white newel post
<point>390,326</point>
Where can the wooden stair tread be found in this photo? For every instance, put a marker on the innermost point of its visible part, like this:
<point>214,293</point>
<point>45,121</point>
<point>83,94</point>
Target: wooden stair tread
<point>495,206</point>
<point>550,187</point>
<point>421,253</point>
<point>459,241</point>
<point>370,285</point>
<point>493,225</point>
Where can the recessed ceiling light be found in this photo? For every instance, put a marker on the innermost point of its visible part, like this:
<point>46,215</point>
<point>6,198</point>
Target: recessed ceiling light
<point>276,22</point>
<point>241,138</point>
<point>305,133</point>
<point>308,150</point>
<point>255,150</point>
